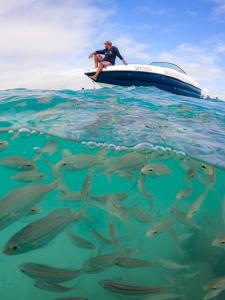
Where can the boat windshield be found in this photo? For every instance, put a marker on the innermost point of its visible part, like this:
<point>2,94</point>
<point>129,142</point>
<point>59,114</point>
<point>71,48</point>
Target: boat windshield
<point>168,65</point>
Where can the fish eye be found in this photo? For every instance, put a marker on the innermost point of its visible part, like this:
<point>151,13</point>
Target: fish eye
<point>63,164</point>
<point>204,166</point>
<point>223,242</point>
<point>14,247</point>
<point>28,165</point>
<point>150,169</point>
<point>155,231</point>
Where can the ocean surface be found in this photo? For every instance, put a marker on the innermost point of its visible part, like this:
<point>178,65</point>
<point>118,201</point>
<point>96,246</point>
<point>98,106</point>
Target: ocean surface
<point>136,176</point>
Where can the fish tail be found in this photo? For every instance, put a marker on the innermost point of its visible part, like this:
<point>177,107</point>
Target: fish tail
<point>102,155</point>
<point>76,216</point>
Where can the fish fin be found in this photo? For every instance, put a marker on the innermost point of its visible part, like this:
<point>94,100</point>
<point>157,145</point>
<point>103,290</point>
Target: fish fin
<point>62,187</point>
<point>100,250</point>
<point>60,212</point>
<point>109,174</point>
<point>113,233</point>
<point>213,293</point>
<point>102,155</point>
<point>144,192</point>
<point>66,153</point>
<point>173,235</point>
<point>38,155</point>
<point>87,184</point>
<point>80,215</point>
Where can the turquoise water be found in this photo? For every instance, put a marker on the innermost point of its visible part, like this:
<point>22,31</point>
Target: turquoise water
<point>147,157</point>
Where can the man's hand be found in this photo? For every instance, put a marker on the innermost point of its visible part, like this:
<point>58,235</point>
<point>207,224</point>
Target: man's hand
<point>91,55</point>
<point>124,62</point>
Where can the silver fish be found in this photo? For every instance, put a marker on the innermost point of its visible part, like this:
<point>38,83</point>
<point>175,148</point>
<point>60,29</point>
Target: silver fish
<point>3,144</point>
<point>49,274</point>
<point>197,204</point>
<point>141,216</point>
<point>155,169</point>
<point>219,241</point>
<point>29,176</point>
<point>18,163</point>
<point>39,233</point>
<point>113,232</point>
<point>116,211</point>
<point>19,202</point>
<point>71,196</point>
<point>79,241</point>
<point>129,289</point>
<point>50,148</point>
<point>143,191</point>
<point>125,262</point>
<point>129,161</point>
<point>100,237</point>
<point>172,265</point>
<point>86,186</point>
<point>52,287</point>
<point>80,161</point>
<point>185,193</point>
<point>165,296</point>
<point>213,293</point>
<point>160,226</point>
<point>217,283</point>
<point>99,263</point>
<point>182,218</point>
<point>112,197</point>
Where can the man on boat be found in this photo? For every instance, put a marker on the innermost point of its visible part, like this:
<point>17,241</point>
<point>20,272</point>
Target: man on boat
<point>110,52</point>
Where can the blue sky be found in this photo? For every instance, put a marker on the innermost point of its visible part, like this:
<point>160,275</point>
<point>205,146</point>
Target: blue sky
<point>45,37</point>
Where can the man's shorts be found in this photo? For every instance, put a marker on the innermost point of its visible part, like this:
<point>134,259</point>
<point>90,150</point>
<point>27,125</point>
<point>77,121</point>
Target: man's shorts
<point>105,63</point>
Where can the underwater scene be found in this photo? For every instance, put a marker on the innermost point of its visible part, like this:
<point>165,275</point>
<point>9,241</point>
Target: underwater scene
<point>111,194</point>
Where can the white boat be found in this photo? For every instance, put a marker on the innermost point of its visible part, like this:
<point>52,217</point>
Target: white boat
<point>163,75</point>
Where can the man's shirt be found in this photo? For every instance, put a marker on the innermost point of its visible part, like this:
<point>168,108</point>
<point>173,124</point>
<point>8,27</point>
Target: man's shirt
<point>110,54</point>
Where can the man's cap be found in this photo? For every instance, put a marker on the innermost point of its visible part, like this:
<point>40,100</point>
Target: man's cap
<point>108,42</point>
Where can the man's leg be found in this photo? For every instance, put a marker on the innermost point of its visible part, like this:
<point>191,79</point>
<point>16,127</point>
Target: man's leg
<point>97,58</point>
<point>99,70</point>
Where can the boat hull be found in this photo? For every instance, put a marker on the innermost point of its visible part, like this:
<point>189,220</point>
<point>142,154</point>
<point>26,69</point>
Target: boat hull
<point>143,78</point>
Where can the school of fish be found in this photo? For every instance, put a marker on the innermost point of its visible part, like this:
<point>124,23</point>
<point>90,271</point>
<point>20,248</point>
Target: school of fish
<point>111,247</point>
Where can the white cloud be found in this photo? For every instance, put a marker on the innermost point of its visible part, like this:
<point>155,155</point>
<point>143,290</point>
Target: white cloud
<point>191,13</point>
<point>43,37</point>
<point>129,47</point>
<point>156,12</point>
<point>40,39</point>
<point>220,6</point>
<point>218,11</point>
<point>220,48</point>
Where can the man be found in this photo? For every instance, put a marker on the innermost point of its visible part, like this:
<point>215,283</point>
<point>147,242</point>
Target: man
<point>110,52</point>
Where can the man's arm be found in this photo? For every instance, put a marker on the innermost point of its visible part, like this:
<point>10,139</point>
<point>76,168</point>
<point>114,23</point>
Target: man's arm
<point>120,56</point>
<point>97,52</point>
